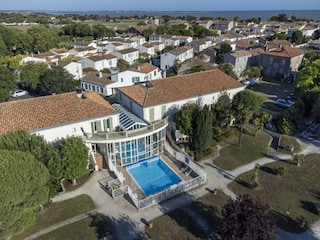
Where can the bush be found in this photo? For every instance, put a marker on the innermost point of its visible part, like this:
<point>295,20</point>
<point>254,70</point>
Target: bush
<point>280,171</point>
<point>201,155</point>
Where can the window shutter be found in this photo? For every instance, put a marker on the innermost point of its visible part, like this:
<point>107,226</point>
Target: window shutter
<point>105,124</point>
<point>99,125</point>
<point>111,124</point>
<point>92,127</point>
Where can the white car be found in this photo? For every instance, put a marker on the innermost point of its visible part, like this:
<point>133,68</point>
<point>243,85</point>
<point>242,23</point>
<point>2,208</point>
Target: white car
<point>19,93</point>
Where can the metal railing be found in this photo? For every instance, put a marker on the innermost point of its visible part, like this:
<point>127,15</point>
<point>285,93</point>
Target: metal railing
<point>158,125</point>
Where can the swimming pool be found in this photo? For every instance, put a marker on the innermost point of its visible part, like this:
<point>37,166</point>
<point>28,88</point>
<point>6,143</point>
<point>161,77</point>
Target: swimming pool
<point>153,175</point>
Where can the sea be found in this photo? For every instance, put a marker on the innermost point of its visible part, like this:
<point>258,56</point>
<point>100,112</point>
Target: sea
<point>242,15</point>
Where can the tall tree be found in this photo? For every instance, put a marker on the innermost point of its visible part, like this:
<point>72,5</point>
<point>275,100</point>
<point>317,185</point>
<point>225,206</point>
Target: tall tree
<point>224,48</point>
<point>23,190</point>
<point>202,130</point>
<point>184,118</point>
<point>43,38</point>
<point>297,37</point>
<point>74,158</point>
<point>227,69</point>
<point>244,104</point>
<point>31,72</point>
<point>245,219</point>
<point>252,71</point>
<point>58,80</point>
<point>8,83</point>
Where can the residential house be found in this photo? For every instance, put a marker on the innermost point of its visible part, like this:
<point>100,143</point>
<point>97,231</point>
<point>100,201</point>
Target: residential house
<point>59,116</point>
<point>130,55</point>
<point>239,59</point>
<point>114,47</point>
<point>158,46</point>
<point>45,57</point>
<point>194,63</point>
<point>82,52</point>
<point>205,23</point>
<point>154,100</point>
<point>201,44</point>
<point>74,68</point>
<point>284,60</point>
<point>146,48</point>
<point>314,43</point>
<point>96,81</point>
<point>184,40</point>
<point>223,26</point>
<point>100,61</point>
<point>180,54</point>
<point>140,40</point>
<point>83,44</point>
<point>168,40</point>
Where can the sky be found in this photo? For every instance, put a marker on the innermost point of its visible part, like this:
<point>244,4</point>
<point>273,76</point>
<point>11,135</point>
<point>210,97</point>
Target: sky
<point>159,5</point>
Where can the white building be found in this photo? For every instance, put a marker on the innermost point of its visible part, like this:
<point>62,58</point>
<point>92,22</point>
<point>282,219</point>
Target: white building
<point>146,48</point>
<point>140,40</point>
<point>157,99</point>
<point>130,55</point>
<point>75,68</point>
<point>179,54</point>
<point>100,61</point>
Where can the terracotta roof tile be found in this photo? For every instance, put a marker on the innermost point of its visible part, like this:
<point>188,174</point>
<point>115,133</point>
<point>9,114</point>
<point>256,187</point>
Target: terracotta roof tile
<point>93,77</point>
<point>44,112</point>
<point>128,50</point>
<point>286,51</point>
<point>144,68</point>
<point>180,87</point>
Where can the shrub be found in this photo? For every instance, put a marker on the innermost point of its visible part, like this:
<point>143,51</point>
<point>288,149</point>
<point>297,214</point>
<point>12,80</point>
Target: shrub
<point>280,171</point>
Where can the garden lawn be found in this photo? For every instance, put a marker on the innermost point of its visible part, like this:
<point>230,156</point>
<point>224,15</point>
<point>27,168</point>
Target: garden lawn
<point>179,224</point>
<point>252,148</point>
<point>292,196</point>
<point>288,141</point>
<point>58,212</point>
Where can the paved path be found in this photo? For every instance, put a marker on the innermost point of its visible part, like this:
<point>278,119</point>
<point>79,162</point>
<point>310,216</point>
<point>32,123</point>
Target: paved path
<point>130,223</point>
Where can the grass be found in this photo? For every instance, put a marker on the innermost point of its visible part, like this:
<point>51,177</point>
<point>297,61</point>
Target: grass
<point>89,227</point>
<point>285,141</point>
<point>252,148</point>
<point>291,196</point>
<point>58,212</point>
<point>179,224</point>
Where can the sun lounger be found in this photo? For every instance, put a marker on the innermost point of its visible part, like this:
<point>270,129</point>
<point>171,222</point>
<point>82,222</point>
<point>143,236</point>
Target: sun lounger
<point>188,172</point>
<point>183,169</point>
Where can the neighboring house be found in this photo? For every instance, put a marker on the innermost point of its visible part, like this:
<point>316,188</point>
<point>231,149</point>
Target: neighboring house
<point>314,43</point>
<point>59,116</point>
<point>194,63</point>
<point>205,23</point>
<point>60,52</point>
<point>130,55</point>
<point>180,54</point>
<point>239,60</point>
<point>75,68</point>
<point>140,40</point>
<point>201,44</point>
<point>154,100</point>
<point>146,48</point>
<point>114,46</point>
<point>83,44</point>
<point>81,52</point>
<point>168,40</point>
<point>184,40</point>
<point>100,61</point>
<point>129,44</point>
<point>224,26</point>
<point>97,82</point>
<point>46,57</point>
<point>284,60</point>
<point>158,46</point>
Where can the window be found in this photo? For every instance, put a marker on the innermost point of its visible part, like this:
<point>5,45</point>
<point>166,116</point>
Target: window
<point>96,126</point>
<point>121,79</point>
<point>135,79</point>
<point>93,88</point>
<point>154,73</point>
<point>101,89</point>
<point>130,104</point>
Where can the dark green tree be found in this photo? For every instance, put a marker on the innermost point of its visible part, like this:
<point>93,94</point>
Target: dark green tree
<point>244,105</point>
<point>43,38</point>
<point>221,117</point>
<point>315,112</point>
<point>147,32</point>
<point>286,126</point>
<point>123,65</point>
<point>297,37</point>
<point>23,185</point>
<point>31,72</point>
<point>252,72</point>
<point>8,83</point>
<point>202,130</point>
<point>74,158</point>
<point>245,219</point>
<point>184,118</point>
<point>309,76</point>
<point>224,48</point>
<point>58,80</point>
<point>227,69</point>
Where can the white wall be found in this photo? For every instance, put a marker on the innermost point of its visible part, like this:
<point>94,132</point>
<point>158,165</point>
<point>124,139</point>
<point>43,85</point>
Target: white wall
<point>75,69</point>
<point>74,129</point>
<point>166,60</point>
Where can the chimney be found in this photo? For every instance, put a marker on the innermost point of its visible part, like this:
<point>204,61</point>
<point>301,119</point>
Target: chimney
<point>138,68</point>
<point>99,74</point>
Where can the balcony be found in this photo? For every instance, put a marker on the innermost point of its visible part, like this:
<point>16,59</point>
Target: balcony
<point>121,135</point>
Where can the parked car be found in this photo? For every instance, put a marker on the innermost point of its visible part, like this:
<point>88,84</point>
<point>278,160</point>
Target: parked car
<point>19,93</point>
<point>284,103</point>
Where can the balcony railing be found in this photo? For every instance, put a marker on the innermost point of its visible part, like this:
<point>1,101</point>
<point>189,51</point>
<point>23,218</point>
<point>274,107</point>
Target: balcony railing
<point>101,136</point>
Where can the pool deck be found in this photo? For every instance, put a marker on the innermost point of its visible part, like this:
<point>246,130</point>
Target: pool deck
<point>175,166</point>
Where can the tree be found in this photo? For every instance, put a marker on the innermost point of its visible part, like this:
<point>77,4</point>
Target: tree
<point>42,151</point>
<point>227,69</point>
<point>58,80</point>
<point>286,126</point>
<point>299,158</point>
<point>147,32</point>
<point>224,48</point>
<point>184,118</point>
<point>245,219</point>
<point>221,116</point>
<point>243,106</point>
<point>31,72</point>
<point>74,158</point>
<point>297,37</point>
<point>23,190</point>
<point>315,112</point>
<point>8,83</point>
<point>43,38</point>
<point>252,72</point>
<point>259,125</point>
<point>202,130</point>
<point>123,65</point>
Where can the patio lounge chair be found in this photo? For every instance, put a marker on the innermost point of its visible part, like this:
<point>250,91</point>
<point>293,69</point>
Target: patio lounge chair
<point>188,172</point>
<point>184,168</point>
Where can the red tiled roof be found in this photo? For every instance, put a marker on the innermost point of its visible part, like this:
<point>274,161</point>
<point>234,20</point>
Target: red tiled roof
<point>44,112</point>
<point>180,87</point>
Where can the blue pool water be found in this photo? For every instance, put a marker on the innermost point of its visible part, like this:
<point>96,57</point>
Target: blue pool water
<point>153,175</point>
